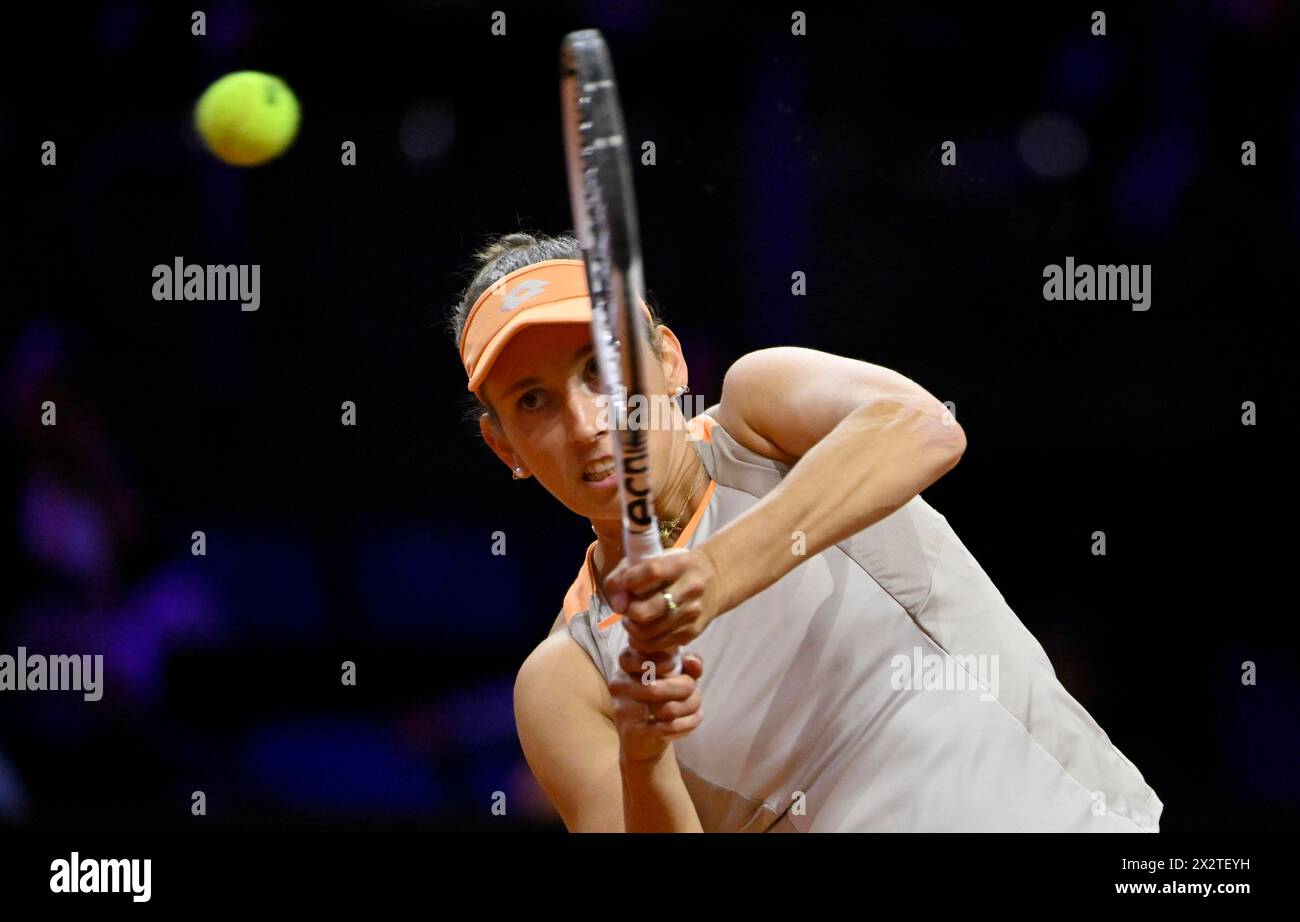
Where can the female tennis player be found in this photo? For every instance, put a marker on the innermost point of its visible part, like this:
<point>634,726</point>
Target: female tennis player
<point>862,672</point>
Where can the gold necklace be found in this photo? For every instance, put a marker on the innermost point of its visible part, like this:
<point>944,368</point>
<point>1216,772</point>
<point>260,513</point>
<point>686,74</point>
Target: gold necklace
<point>666,530</point>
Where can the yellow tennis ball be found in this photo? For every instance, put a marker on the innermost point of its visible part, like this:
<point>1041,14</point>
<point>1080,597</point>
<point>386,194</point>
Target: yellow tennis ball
<point>247,117</point>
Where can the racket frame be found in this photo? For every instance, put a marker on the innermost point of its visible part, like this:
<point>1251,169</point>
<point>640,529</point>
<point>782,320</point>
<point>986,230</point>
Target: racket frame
<point>603,202</point>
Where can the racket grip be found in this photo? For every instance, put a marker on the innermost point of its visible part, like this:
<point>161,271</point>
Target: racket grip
<point>643,545</point>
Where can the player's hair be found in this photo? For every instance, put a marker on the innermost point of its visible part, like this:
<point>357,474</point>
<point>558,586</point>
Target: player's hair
<point>498,259</point>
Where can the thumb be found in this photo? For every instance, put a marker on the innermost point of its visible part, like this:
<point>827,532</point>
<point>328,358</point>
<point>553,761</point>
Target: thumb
<point>692,665</point>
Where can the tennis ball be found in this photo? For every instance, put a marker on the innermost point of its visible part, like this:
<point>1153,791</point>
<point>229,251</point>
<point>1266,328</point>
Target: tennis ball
<point>247,117</point>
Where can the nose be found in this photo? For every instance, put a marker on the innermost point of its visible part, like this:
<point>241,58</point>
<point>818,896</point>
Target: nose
<point>587,413</point>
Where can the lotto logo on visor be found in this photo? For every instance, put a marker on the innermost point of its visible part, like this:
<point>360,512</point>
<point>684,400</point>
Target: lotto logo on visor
<point>551,291</point>
<point>523,292</point>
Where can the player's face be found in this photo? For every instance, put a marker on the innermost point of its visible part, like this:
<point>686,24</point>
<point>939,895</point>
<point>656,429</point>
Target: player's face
<point>545,387</point>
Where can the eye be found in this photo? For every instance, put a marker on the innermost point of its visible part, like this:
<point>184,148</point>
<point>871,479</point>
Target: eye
<point>531,400</point>
<point>593,370</point>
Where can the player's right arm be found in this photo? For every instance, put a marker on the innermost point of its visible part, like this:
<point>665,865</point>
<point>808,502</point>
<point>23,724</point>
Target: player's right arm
<point>569,728</point>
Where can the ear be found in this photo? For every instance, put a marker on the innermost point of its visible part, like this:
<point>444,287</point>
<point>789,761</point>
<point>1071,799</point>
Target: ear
<point>499,444</point>
<point>674,363</point>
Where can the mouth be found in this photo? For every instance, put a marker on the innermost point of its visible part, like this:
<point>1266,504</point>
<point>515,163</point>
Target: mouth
<point>599,474</point>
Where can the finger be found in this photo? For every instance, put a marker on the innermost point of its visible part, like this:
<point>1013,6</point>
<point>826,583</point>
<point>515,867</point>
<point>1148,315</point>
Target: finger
<point>652,606</point>
<point>662,712</point>
<point>646,665</point>
<point>639,663</point>
<point>662,688</point>
<point>648,601</point>
<point>673,638</point>
<point>692,665</point>
<point>687,591</point>
<point>668,718</point>
<point>662,646</point>
<point>625,709</point>
<point>616,581</point>
<point>653,634</point>
<point>682,584</point>
<point>631,715</point>
<point>664,717</point>
<point>647,609</point>
<point>679,727</point>
<point>645,575</point>
<point>668,711</point>
<point>677,688</point>
<point>658,639</point>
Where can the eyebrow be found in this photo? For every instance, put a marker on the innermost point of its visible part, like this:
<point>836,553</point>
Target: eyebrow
<point>530,381</point>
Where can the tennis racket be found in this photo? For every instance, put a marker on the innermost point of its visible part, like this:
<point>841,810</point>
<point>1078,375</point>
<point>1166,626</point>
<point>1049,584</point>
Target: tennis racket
<point>605,219</point>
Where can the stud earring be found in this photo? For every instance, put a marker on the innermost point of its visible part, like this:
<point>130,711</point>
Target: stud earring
<point>519,473</point>
<point>682,389</point>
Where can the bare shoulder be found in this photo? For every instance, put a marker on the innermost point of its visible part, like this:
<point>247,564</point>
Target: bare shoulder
<point>559,669</point>
<point>564,715</point>
<point>781,401</point>
<point>751,381</point>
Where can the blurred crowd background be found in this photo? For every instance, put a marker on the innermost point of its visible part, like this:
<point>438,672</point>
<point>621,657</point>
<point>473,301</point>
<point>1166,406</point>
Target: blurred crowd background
<point>775,153</point>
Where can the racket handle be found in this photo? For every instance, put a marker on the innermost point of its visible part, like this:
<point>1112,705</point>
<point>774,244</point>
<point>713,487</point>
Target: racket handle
<point>643,545</point>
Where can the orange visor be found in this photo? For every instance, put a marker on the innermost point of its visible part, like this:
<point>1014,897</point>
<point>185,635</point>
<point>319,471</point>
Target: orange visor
<point>552,291</point>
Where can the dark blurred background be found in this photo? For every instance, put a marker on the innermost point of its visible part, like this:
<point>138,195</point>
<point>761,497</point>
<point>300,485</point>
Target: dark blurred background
<point>775,154</point>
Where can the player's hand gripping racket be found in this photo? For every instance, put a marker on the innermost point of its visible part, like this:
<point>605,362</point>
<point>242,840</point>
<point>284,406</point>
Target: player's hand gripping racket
<point>604,216</point>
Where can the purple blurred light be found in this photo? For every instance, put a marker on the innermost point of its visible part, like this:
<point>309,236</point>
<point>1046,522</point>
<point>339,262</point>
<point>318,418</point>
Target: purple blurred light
<point>62,529</point>
<point>231,25</point>
<point>340,766</point>
<point>1152,182</point>
<point>1083,73</point>
<point>625,16</point>
<point>1252,12</point>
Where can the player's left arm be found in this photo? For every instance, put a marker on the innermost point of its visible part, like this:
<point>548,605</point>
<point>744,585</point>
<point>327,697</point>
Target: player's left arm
<point>861,440</point>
